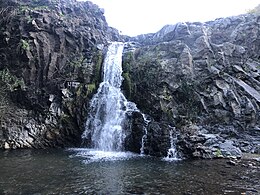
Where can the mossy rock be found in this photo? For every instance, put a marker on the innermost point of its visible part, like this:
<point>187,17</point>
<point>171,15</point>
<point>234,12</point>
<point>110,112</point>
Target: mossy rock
<point>127,85</point>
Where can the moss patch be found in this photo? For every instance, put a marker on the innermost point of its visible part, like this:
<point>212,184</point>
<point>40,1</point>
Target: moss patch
<point>128,59</point>
<point>91,88</point>
<point>11,81</point>
<point>24,45</point>
<point>127,85</point>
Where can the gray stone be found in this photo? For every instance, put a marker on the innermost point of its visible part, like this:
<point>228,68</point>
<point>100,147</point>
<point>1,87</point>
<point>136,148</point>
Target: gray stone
<point>228,149</point>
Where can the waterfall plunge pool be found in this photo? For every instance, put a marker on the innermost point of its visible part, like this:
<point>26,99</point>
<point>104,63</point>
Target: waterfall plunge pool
<point>89,171</point>
<point>83,171</point>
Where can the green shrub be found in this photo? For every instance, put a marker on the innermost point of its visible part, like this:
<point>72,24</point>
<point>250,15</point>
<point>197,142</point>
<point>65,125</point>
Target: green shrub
<point>218,153</point>
<point>10,80</point>
<point>77,62</point>
<point>24,45</point>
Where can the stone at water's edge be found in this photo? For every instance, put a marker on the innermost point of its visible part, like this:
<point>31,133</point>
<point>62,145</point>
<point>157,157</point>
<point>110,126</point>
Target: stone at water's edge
<point>202,78</point>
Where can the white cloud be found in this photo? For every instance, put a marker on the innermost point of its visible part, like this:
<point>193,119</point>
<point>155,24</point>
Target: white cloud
<point>134,17</point>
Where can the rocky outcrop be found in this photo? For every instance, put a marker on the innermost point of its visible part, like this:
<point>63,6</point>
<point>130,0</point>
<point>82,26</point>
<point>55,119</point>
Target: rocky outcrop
<point>199,79</point>
<point>50,58</point>
<point>203,79</point>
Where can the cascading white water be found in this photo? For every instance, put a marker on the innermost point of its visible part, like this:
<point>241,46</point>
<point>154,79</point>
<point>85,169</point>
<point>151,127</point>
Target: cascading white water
<point>172,152</point>
<point>146,122</point>
<point>108,107</point>
<point>109,113</point>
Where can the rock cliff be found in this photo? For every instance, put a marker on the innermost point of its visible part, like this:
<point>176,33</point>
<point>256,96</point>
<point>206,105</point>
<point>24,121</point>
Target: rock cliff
<point>50,57</point>
<point>204,80</point>
<point>199,82</point>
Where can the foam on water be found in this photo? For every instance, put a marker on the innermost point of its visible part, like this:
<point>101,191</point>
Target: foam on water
<point>91,155</point>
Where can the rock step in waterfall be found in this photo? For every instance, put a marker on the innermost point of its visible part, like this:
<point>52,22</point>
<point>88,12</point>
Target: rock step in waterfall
<point>106,125</point>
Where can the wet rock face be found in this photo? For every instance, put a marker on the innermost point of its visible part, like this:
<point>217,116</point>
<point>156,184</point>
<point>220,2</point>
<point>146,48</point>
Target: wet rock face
<point>50,58</point>
<point>135,125</point>
<point>202,78</point>
<point>155,143</point>
<point>201,74</point>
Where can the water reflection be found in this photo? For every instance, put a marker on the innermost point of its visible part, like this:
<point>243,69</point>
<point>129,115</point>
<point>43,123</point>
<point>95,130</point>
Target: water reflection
<point>66,172</point>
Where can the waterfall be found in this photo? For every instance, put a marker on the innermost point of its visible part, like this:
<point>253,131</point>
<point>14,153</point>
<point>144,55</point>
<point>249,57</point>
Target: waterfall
<point>146,122</point>
<point>108,107</point>
<point>172,152</point>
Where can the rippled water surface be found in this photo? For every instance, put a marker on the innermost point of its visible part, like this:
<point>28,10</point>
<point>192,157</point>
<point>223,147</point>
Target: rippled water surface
<point>81,171</point>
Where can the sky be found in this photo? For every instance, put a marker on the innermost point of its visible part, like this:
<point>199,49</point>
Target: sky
<point>134,17</point>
